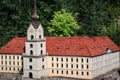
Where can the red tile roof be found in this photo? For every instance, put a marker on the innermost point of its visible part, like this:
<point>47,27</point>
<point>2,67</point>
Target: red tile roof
<point>80,46</point>
<point>15,46</point>
<point>66,46</point>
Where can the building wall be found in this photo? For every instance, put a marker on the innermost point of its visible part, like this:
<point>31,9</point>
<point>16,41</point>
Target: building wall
<point>105,63</point>
<point>39,66</point>
<point>10,63</point>
<point>75,67</point>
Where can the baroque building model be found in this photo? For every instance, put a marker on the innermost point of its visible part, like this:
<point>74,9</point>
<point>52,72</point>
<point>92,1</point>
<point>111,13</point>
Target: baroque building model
<point>76,57</point>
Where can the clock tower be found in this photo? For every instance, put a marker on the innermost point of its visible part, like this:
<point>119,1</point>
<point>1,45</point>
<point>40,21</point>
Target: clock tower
<point>34,62</point>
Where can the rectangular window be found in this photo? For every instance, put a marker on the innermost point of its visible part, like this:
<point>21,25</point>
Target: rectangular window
<point>87,60</point>
<point>13,63</point>
<point>62,72</point>
<point>57,59</point>
<point>52,71</point>
<point>52,59</point>
<point>18,57</point>
<point>66,72</point>
<point>66,65</point>
<point>87,66</point>
<point>52,65</point>
<point>6,62</point>
<point>61,65</point>
<point>72,72</point>
<point>71,65</point>
<point>17,63</point>
<point>87,73</point>
<point>61,59</point>
<point>76,59</point>
<point>2,62</point>
<point>82,73</point>
<point>57,71</point>
<point>2,68</point>
<point>71,59</point>
<point>81,59</point>
<point>57,64</point>
<point>1,57</point>
<point>13,57</point>
<point>82,66</point>
<point>66,59</point>
<point>76,65</point>
<point>77,73</point>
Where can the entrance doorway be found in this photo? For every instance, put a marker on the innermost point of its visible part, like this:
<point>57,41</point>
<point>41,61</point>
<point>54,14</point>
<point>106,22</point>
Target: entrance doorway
<point>30,75</point>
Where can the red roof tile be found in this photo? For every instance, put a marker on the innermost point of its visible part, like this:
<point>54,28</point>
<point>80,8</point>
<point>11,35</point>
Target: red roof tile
<point>79,46</point>
<point>15,46</point>
<point>66,46</point>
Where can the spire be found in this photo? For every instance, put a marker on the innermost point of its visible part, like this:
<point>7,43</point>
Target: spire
<point>35,16</point>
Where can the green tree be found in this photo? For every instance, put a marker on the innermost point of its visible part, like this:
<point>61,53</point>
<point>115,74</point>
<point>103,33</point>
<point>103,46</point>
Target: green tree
<point>63,24</point>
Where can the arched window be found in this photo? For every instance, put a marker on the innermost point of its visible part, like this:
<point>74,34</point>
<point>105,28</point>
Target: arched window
<point>31,45</point>
<point>31,52</point>
<point>41,52</point>
<point>30,75</point>
<point>32,37</point>
<point>40,36</point>
<point>30,60</point>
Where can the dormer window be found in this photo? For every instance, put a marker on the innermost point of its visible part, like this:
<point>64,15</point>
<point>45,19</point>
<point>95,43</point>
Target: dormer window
<point>32,37</point>
<point>108,50</point>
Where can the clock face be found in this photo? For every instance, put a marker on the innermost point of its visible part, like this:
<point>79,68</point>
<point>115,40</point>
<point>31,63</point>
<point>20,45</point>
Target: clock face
<point>31,30</point>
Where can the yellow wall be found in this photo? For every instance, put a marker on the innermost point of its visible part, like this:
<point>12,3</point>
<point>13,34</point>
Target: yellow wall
<point>10,63</point>
<point>72,72</point>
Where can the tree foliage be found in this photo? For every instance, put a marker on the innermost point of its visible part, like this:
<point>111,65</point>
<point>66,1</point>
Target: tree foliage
<point>63,24</point>
<point>96,17</point>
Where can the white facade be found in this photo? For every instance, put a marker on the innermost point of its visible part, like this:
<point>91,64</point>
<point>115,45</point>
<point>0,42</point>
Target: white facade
<point>105,63</point>
<point>35,52</point>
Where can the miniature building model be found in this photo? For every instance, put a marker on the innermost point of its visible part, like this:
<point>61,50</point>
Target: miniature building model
<point>77,57</point>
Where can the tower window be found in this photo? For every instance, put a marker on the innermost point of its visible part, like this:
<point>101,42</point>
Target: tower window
<point>41,45</point>
<point>31,45</point>
<point>30,60</point>
<point>30,67</point>
<point>41,52</point>
<point>32,37</point>
<point>42,59</point>
<point>40,36</point>
<point>31,52</point>
<point>42,66</point>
